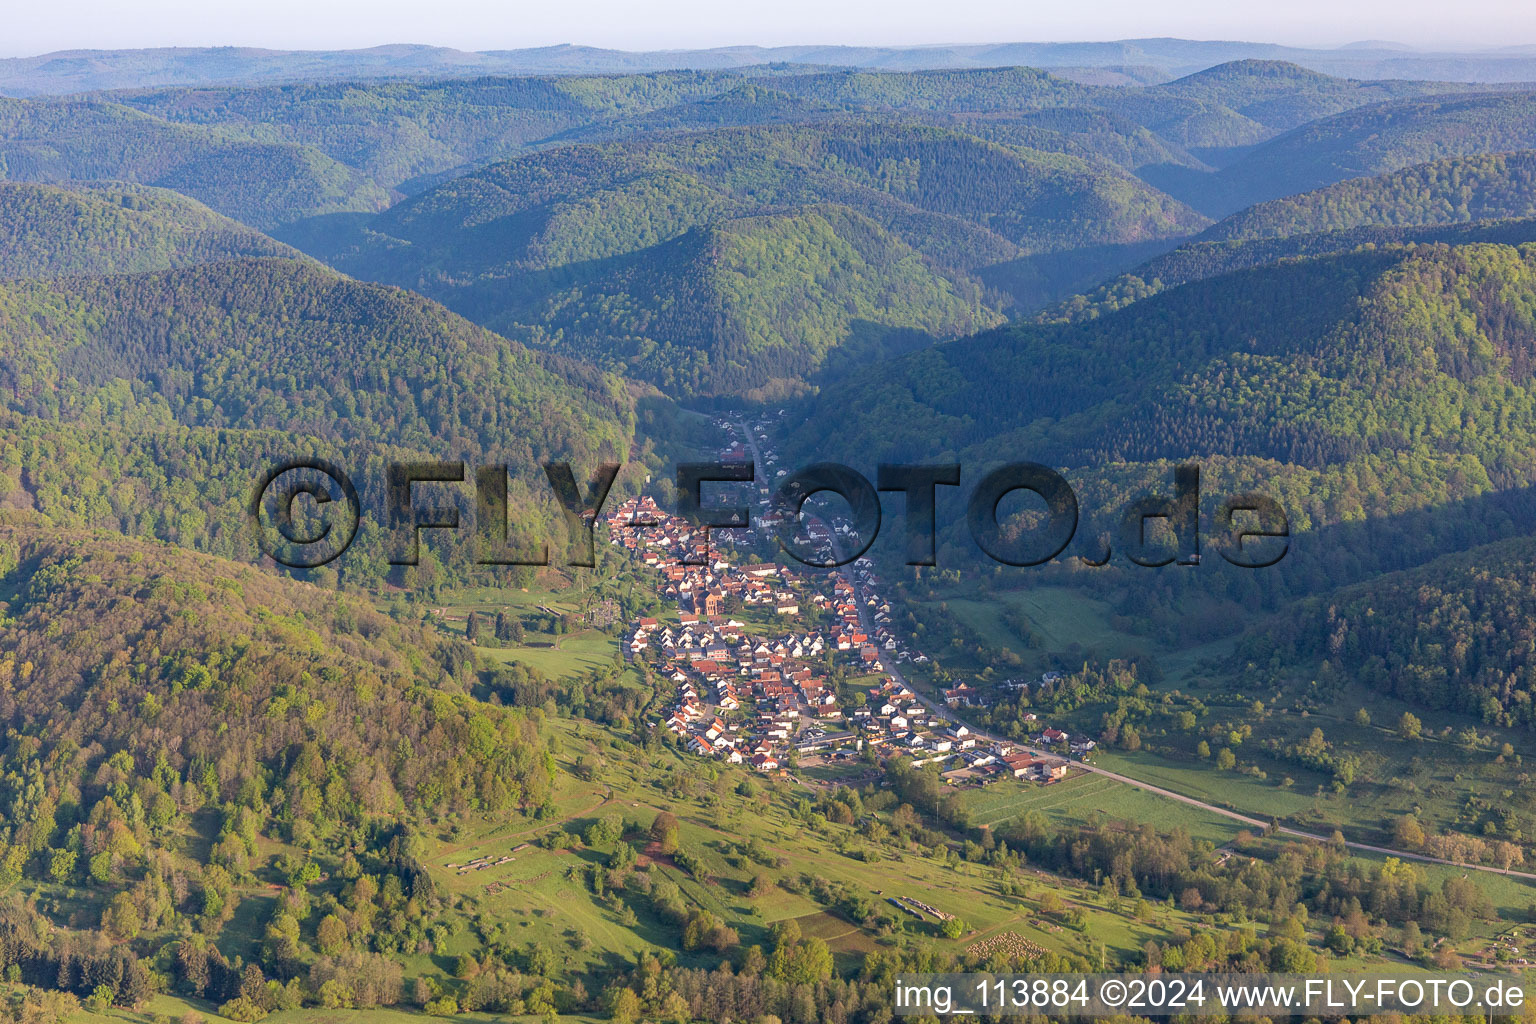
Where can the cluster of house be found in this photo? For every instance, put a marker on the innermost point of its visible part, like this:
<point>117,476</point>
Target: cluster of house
<point>894,721</point>
<point>791,705</point>
<point>739,448</point>
<point>885,638</point>
<point>717,665</point>
<point>750,699</point>
<point>849,633</point>
<point>692,575</point>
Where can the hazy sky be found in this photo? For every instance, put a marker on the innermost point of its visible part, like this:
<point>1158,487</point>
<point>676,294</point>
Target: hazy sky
<point>37,26</point>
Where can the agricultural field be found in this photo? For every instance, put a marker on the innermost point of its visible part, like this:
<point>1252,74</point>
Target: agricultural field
<point>1061,628</point>
<point>1083,799</point>
<point>573,654</point>
<point>538,893</point>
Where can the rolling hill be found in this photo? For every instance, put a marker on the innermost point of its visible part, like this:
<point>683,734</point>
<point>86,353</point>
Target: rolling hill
<point>152,402</point>
<point>257,183</point>
<point>1375,140</point>
<point>79,230</point>
<point>1033,201</point>
<point>552,242</point>
<point>1282,96</point>
<point>1457,200</point>
<point>336,147</point>
<point>337,347</point>
<point>398,133</point>
<point>1346,386</point>
<point>269,675</point>
<point>1451,635</point>
<point>1454,190</point>
<point>1195,261</point>
<point>252,720</point>
<point>754,306</point>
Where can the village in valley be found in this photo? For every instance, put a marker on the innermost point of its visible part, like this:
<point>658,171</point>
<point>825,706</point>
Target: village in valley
<point>751,691</point>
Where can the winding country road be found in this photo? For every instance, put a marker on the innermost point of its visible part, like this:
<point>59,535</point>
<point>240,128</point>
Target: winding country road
<point>865,620</point>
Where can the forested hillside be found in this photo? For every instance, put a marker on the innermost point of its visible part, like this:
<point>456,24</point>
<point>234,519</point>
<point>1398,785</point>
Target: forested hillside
<point>217,359</point>
<point>153,401</point>
<point>399,132</point>
<point>237,714</point>
<point>548,247</point>
<point>1450,191</point>
<point>1453,635</point>
<point>1458,200</point>
<point>1350,385</point>
<point>1244,102</point>
<point>344,146</point>
<point>1281,95</point>
<point>66,231</point>
<point>1197,260</point>
<point>922,181</point>
<point>752,307</point>
<point>258,183</point>
<point>1373,140</point>
<point>269,679</point>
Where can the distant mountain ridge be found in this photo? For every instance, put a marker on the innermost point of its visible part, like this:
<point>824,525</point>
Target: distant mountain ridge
<point>83,70</point>
<point>271,154</point>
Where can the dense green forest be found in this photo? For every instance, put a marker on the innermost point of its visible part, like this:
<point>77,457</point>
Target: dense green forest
<point>1396,379</point>
<point>1243,102</point>
<point>1373,140</point>
<point>1450,191</point>
<point>1452,635</point>
<point>1197,260</point>
<point>1390,346</point>
<point>462,788</point>
<point>238,713</point>
<point>638,254</point>
<point>55,231</point>
<point>266,686</point>
<point>366,362</point>
<point>324,147</point>
<point>402,132</point>
<point>261,184</point>
<point>752,307</point>
<point>1457,200</point>
<point>154,401</point>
